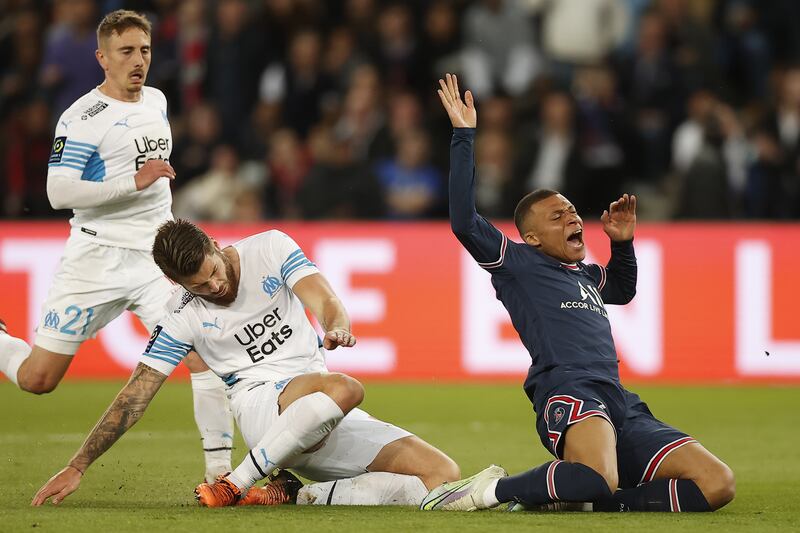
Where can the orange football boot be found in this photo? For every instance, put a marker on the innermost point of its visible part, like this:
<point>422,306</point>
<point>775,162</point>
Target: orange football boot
<point>221,493</point>
<point>282,488</point>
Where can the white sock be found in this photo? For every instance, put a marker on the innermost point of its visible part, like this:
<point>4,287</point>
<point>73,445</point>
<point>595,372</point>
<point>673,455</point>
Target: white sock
<point>372,488</point>
<point>302,425</point>
<point>13,352</point>
<point>212,413</point>
<point>489,496</point>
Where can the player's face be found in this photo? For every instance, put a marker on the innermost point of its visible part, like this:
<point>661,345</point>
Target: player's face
<point>557,230</point>
<point>215,281</point>
<point>126,60</point>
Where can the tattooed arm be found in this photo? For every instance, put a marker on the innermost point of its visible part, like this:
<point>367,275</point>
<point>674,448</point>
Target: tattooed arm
<point>126,409</point>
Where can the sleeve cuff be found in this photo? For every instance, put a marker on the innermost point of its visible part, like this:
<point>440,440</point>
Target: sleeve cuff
<point>464,133</point>
<point>621,245</point>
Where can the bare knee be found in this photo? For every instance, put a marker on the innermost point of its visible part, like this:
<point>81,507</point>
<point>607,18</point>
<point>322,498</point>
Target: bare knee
<point>441,471</point>
<point>37,383</point>
<point>347,392</point>
<point>718,485</point>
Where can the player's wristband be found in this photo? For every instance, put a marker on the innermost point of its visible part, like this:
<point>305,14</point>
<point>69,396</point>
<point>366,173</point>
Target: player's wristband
<point>76,468</point>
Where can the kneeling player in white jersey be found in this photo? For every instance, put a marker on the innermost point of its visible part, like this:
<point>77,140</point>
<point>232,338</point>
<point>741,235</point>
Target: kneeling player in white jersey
<point>243,311</point>
<point>110,154</point>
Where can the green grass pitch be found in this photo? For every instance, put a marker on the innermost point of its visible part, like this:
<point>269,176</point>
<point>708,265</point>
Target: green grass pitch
<point>145,482</point>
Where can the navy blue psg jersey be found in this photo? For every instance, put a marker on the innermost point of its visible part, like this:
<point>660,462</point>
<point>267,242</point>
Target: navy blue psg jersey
<point>558,309</point>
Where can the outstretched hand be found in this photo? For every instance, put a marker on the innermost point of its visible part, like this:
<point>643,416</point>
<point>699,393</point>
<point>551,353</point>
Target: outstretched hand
<point>338,337</point>
<point>59,486</point>
<point>619,220</point>
<point>462,114</point>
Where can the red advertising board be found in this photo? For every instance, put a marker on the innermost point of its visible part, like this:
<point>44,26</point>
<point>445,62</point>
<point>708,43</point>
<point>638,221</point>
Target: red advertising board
<point>715,303</point>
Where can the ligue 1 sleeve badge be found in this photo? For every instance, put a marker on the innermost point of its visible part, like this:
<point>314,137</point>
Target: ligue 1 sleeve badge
<point>58,149</point>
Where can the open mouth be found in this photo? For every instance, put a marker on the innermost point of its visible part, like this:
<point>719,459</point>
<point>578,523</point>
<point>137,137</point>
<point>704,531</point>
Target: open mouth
<point>575,239</point>
<point>137,77</point>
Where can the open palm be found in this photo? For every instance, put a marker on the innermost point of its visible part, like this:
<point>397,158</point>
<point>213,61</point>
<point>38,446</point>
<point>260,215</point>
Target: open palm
<point>619,220</point>
<point>462,114</point>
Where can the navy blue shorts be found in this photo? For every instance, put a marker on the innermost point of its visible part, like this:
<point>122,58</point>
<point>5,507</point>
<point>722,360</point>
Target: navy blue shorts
<point>643,441</point>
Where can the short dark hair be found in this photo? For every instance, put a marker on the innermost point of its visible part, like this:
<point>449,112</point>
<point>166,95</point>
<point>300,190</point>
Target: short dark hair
<point>120,20</point>
<point>524,207</point>
<point>180,249</point>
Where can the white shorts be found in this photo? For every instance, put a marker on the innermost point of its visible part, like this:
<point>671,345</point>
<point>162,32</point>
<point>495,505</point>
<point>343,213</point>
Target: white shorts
<point>93,286</point>
<point>347,452</point>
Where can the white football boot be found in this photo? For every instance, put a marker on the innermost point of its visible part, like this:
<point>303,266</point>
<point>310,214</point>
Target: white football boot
<point>464,494</point>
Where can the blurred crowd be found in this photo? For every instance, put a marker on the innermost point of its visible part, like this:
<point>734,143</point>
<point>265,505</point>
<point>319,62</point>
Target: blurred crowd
<point>307,109</point>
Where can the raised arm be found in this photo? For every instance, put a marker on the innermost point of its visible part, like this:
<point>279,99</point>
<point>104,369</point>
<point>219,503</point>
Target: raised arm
<point>317,295</point>
<point>126,409</point>
<point>617,280</point>
<point>482,240</point>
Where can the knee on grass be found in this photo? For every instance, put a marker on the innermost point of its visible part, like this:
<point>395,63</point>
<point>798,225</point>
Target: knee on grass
<point>718,485</point>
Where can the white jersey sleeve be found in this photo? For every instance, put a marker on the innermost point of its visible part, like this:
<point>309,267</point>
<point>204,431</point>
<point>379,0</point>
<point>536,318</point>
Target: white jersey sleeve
<point>172,339</point>
<point>100,144</point>
<point>288,258</point>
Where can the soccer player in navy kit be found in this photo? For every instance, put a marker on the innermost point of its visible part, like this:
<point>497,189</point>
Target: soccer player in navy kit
<point>604,437</point>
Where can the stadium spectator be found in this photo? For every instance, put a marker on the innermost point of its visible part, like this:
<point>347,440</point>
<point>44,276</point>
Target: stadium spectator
<point>214,195</point>
<point>398,55</point>
<point>494,164</point>
<point>67,67</point>
<point>499,48</point>
<point>192,44</point>
<point>716,172</point>
<point>264,65</point>
<point>773,189</point>
<point>338,186</point>
<point>411,185</point>
<point>548,156</point>
<point>20,54</point>
<point>441,42</point>
<point>602,136</point>
<point>298,86</point>
<point>289,163</point>
<point>362,114</point>
<point>192,155</point>
<point>581,32</point>
<point>342,57</point>
<point>25,154</point>
<point>235,60</point>
<point>650,80</point>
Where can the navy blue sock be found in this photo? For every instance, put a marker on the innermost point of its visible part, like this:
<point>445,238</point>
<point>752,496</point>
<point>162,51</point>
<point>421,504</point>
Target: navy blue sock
<point>676,495</point>
<point>557,480</point>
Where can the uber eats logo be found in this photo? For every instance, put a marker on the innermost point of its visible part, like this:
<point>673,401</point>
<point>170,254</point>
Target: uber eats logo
<point>147,148</point>
<point>263,338</point>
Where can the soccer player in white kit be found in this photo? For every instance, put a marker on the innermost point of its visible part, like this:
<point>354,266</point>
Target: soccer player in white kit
<point>244,312</point>
<point>110,153</point>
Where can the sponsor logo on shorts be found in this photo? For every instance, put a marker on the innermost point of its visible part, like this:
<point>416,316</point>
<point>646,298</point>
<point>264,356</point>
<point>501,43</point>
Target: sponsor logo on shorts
<point>58,150</point>
<point>271,285</point>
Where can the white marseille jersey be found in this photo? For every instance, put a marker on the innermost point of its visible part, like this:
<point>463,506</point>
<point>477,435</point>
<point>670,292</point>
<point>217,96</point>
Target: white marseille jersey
<point>102,139</point>
<point>264,335</point>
